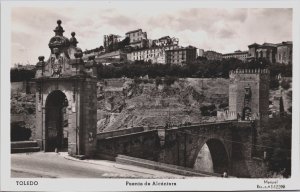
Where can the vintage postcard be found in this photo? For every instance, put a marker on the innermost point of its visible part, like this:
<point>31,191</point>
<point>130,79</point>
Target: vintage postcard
<point>150,95</point>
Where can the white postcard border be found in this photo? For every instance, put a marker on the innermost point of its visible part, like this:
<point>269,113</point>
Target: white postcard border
<point>207,184</point>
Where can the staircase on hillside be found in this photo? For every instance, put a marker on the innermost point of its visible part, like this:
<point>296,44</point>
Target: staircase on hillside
<point>24,146</point>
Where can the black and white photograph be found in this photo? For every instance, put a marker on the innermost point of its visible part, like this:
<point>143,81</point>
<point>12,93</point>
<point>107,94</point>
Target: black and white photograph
<point>149,95</point>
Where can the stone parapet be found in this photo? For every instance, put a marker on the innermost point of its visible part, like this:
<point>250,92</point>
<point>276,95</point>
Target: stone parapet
<point>120,132</point>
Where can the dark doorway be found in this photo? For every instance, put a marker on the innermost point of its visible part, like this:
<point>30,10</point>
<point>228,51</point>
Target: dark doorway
<point>56,122</point>
<point>246,114</point>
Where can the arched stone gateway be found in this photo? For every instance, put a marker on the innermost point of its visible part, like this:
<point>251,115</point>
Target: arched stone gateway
<point>66,114</point>
<point>56,122</point>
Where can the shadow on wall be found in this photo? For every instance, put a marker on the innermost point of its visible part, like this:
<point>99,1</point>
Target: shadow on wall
<point>19,132</point>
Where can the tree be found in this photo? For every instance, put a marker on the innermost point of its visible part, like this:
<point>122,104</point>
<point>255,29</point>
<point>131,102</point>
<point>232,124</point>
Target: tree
<point>198,68</point>
<point>17,75</point>
<point>101,48</point>
<point>285,84</point>
<point>123,43</point>
<point>208,110</point>
<point>274,83</point>
<point>223,105</point>
<point>169,80</point>
<point>158,81</point>
<point>277,141</point>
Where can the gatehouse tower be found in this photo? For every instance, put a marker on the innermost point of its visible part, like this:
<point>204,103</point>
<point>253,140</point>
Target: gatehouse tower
<point>249,94</point>
<point>66,110</point>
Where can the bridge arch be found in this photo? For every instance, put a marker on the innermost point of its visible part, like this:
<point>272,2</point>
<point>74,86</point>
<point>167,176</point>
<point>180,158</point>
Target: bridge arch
<point>56,121</point>
<point>212,153</point>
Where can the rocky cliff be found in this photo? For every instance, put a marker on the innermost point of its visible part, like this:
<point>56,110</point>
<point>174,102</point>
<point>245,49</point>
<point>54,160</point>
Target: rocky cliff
<point>125,102</point>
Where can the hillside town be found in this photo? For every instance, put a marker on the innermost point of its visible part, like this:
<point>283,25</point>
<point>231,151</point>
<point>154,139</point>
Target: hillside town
<point>135,46</point>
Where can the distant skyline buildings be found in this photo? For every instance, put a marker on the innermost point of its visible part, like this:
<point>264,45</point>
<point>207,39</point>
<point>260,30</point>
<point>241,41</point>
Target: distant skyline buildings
<point>221,30</point>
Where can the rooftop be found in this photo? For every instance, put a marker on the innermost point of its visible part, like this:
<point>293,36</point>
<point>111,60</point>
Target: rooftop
<point>265,44</point>
<point>164,37</point>
<point>269,45</point>
<point>133,31</point>
<point>182,48</point>
<point>253,45</point>
<point>153,48</point>
<point>237,53</point>
<point>285,43</point>
<point>211,51</point>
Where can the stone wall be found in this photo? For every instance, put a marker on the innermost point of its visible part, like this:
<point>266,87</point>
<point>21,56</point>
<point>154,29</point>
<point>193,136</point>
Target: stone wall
<point>144,145</point>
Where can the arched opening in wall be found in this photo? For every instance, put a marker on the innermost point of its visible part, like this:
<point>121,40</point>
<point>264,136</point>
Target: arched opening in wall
<point>56,122</point>
<point>246,114</point>
<point>212,157</point>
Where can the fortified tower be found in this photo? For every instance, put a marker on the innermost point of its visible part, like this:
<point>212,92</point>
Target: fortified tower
<point>249,94</point>
<point>66,111</point>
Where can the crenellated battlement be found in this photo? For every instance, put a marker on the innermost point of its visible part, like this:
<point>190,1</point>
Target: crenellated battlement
<point>226,115</point>
<point>233,115</point>
<point>250,71</point>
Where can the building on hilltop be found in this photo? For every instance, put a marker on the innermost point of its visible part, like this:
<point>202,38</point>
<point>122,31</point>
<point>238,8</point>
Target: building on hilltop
<point>200,52</point>
<point>267,51</point>
<point>275,53</point>
<point>252,54</point>
<point>154,54</point>
<point>154,50</point>
<point>114,56</point>
<point>241,55</point>
<point>212,55</point>
<point>163,41</point>
<point>285,52</point>
<point>93,52</point>
<point>167,40</point>
<point>138,38</point>
<point>181,56</point>
<point>111,41</point>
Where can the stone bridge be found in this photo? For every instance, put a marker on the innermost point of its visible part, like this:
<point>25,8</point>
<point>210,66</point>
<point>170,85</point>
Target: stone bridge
<point>229,143</point>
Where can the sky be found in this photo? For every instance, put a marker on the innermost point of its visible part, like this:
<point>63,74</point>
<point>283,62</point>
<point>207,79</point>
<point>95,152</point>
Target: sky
<point>220,29</point>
